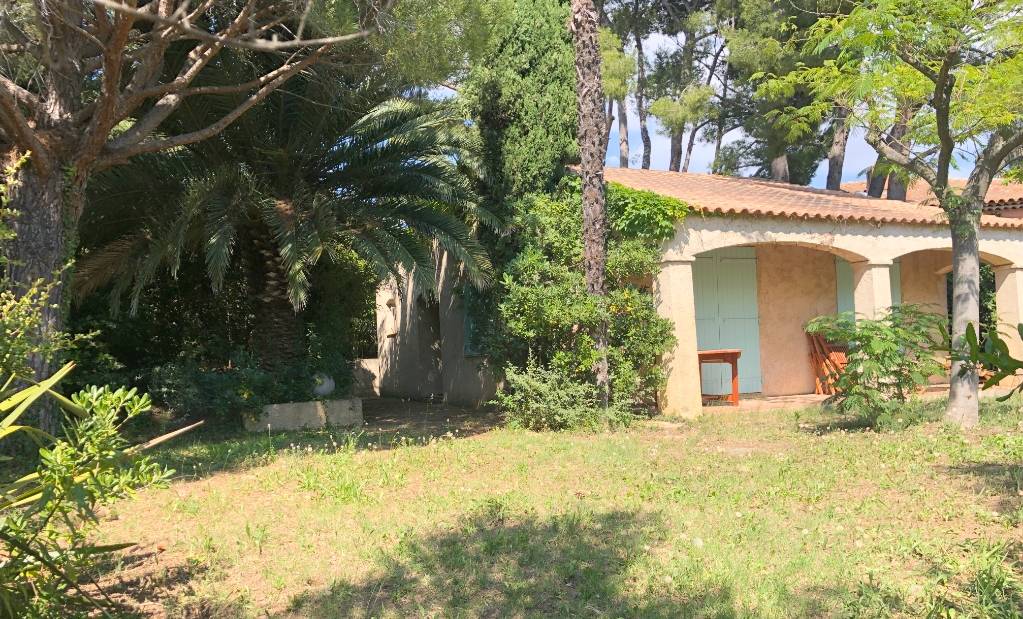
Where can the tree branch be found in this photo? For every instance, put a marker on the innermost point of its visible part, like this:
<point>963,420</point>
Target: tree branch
<point>183,26</point>
<point>18,129</point>
<point>115,154</point>
<point>903,158</point>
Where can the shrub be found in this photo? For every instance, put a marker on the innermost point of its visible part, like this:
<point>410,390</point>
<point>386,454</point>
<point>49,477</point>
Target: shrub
<point>46,516</point>
<point>888,360</point>
<point>540,399</point>
<point>544,310</point>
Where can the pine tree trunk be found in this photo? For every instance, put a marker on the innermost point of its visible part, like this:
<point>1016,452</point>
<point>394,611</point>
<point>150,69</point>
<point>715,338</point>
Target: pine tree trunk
<point>780,168</point>
<point>644,132</point>
<point>896,188</point>
<point>689,147</point>
<point>39,251</point>
<point>591,136</point>
<point>876,181</point>
<point>623,134</point>
<point>675,158</point>
<point>963,405</point>
<point>836,154</point>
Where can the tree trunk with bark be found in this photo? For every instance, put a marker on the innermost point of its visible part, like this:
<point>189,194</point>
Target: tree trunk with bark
<point>42,248</point>
<point>876,179</point>
<point>780,168</point>
<point>623,134</point>
<point>675,155</point>
<point>690,145</point>
<point>963,404</point>
<point>592,135</point>
<point>897,189</point>
<point>836,154</point>
<point>644,132</point>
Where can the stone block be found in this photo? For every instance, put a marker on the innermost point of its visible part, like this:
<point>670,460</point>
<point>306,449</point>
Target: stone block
<point>313,415</point>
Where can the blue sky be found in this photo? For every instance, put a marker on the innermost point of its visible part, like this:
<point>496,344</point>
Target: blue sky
<point>859,155</point>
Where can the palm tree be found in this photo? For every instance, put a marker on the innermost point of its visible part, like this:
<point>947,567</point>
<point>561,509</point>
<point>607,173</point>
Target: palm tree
<point>316,173</point>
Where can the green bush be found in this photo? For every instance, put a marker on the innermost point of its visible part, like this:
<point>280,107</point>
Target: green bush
<point>46,517</point>
<point>544,310</point>
<point>888,360</point>
<point>543,399</point>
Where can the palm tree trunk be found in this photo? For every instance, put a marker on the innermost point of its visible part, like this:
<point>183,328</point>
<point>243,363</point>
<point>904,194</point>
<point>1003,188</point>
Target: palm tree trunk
<point>592,134</point>
<point>644,132</point>
<point>836,154</point>
<point>623,134</point>
<point>278,336</point>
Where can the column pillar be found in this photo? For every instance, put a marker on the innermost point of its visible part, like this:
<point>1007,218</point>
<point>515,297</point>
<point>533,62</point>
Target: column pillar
<point>872,288</point>
<point>675,300</point>
<point>1009,300</point>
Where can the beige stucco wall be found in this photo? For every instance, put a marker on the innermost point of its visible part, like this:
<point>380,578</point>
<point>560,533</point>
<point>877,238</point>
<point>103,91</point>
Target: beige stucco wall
<point>923,279</point>
<point>870,248</point>
<point>794,284</point>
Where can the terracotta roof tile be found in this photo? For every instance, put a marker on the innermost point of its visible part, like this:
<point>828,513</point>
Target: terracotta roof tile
<point>1001,194</point>
<point>726,195</point>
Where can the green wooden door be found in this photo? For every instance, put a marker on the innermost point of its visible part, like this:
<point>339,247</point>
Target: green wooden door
<point>725,286</point>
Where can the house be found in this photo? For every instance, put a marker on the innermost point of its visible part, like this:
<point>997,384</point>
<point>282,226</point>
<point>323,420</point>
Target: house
<point>747,269</point>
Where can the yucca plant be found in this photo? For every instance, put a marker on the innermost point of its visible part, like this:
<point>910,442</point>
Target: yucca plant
<point>319,172</point>
<point>46,516</point>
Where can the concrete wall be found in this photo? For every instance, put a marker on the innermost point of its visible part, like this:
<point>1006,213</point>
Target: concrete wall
<point>794,284</point>
<point>408,336</point>
<point>466,380</point>
<point>420,343</point>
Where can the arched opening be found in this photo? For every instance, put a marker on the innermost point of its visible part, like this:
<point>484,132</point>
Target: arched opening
<point>757,298</point>
<point>927,275</point>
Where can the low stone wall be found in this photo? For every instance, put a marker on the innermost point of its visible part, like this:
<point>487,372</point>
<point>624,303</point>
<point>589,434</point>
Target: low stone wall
<point>307,415</point>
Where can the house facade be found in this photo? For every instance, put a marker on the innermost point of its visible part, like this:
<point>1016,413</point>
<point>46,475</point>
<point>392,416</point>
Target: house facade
<point>746,270</point>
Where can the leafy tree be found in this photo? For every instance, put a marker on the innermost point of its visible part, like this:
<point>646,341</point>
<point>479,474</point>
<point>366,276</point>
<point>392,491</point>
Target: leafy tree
<point>520,96</point>
<point>545,314</point>
<point>952,74</point>
<point>88,84</point>
<point>318,172</point>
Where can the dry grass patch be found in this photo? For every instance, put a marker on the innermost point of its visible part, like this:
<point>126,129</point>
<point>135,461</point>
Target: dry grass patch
<point>731,515</point>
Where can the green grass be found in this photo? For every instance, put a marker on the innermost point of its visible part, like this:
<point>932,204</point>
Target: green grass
<point>734,515</point>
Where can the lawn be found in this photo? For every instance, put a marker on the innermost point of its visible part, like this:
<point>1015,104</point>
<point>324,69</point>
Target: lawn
<point>776,514</point>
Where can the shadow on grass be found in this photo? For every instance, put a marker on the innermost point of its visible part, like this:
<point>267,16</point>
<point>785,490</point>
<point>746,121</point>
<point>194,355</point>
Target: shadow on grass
<point>1003,480</point>
<point>225,445</point>
<point>493,564</point>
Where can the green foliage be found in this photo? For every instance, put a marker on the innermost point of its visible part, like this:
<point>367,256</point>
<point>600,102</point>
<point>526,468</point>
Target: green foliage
<point>988,582</point>
<point>46,517</point>
<point>545,313</point>
<point>383,178</point>
<point>542,399</point>
<point>521,97</point>
<point>888,359</point>
<point>693,105</point>
<point>616,67</point>
<point>21,333</point>
<point>992,353</point>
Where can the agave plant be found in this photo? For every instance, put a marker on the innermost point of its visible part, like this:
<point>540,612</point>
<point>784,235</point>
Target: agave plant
<point>314,174</point>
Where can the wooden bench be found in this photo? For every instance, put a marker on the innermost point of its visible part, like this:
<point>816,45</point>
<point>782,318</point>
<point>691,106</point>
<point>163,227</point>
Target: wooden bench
<point>729,356</point>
